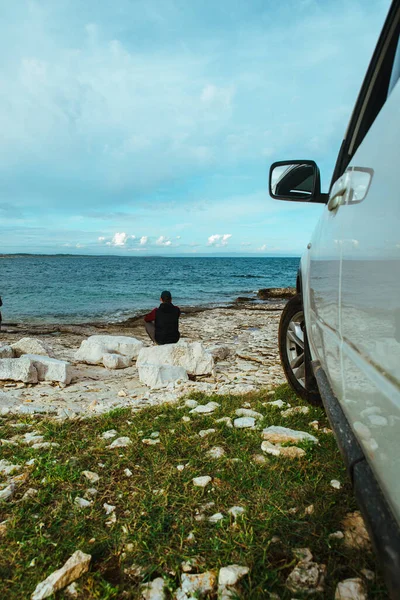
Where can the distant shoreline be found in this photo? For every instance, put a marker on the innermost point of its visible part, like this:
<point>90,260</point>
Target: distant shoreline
<point>203,255</point>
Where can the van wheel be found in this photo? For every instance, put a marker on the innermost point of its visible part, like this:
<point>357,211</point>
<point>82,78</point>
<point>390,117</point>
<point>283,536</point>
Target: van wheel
<point>292,340</point>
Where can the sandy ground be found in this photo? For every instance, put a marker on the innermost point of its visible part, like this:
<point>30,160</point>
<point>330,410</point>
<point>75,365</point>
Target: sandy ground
<point>248,331</point>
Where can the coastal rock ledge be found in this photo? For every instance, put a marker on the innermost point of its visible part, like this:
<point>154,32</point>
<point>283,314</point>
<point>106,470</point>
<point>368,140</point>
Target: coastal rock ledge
<point>95,347</point>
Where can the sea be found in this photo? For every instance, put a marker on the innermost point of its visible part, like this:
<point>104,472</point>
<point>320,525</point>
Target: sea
<point>82,289</point>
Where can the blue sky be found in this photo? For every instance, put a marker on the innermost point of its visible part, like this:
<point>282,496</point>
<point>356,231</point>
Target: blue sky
<point>148,127</point>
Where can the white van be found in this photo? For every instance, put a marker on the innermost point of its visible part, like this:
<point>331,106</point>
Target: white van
<point>340,336</point>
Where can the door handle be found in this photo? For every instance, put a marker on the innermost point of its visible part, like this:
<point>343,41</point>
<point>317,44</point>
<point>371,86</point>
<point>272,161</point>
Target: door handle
<point>334,201</point>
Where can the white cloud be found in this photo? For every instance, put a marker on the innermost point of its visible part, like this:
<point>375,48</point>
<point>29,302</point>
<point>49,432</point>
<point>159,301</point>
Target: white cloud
<point>121,239</point>
<point>101,239</point>
<point>263,248</point>
<point>144,240</point>
<point>163,241</point>
<point>219,239</point>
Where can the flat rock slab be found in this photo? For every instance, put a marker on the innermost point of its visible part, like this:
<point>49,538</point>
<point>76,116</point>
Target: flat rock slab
<point>18,369</point>
<point>51,369</point>
<point>281,435</point>
<point>31,346</point>
<point>75,566</point>
<point>6,352</point>
<point>192,356</point>
<point>159,376</point>
<point>116,361</point>
<point>205,409</point>
<point>95,347</point>
<point>244,423</point>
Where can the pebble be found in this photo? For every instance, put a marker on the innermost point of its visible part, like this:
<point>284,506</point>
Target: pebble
<point>303,410</point>
<point>191,403</point>
<point>351,589</point>
<point>154,590</point>
<point>259,459</point>
<point>336,535</point>
<point>244,423</point>
<point>186,419</point>
<point>155,435</point>
<point>76,565</point>
<point>43,445</point>
<point>30,493</point>
<point>309,509</point>
<point>202,481</point>
<point>335,484</point>
<point>121,442</point>
<point>205,408</point>
<point>109,508</point>
<point>205,432</point>
<point>91,476</point>
<point>107,435</point>
<point>281,435</point>
<point>216,452</point>
<point>197,584</point>
<point>277,403</point>
<point>180,467</point>
<point>246,412</point>
<point>236,511</point>
<point>314,425</point>
<point>82,503</point>
<point>128,472</point>
<point>150,442</point>
<point>231,575</point>
<point>216,517</point>
<point>307,577</point>
<point>7,468</point>
<point>72,590</point>
<point>7,493</point>
<point>226,420</point>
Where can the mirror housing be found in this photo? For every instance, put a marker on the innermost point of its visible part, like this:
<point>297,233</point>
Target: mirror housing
<point>296,180</point>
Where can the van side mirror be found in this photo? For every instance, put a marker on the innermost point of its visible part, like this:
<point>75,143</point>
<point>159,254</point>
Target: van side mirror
<point>296,180</point>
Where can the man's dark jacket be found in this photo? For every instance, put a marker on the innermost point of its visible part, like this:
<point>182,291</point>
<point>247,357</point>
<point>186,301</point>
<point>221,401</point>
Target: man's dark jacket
<point>166,318</point>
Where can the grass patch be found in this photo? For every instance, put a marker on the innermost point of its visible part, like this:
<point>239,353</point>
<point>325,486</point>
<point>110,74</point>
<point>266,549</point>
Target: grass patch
<point>158,506</point>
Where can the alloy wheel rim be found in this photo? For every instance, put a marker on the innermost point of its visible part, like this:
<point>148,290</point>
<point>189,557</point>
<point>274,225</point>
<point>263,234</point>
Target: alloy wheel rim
<point>295,347</point>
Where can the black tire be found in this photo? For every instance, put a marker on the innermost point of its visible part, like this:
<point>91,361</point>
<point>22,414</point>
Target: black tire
<point>293,352</point>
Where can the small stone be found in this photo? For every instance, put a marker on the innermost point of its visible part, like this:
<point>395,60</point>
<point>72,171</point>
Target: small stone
<point>91,476</point>
<point>76,565</point>
<point>158,492</point>
<point>216,452</point>
<point>275,539</point>
<point>186,419</point>
<point>205,408</point>
<point>122,394</point>
<point>236,511</point>
<point>270,448</point>
<point>121,442</point>
<point>335,484</point>
<point>277,403</point>
<point>202,481</point>
<point>154,590</point>
<point>200,584</point>
<point>190,538</point>
<point>303,410</point>
<point>282,435</point>
<point>314,425</point>
<point>155,435</point>
<point>128,472</point>
<point>226,420</point>
<point>259,459</point>
<point>7,493</point>
<point>351,589</point>
<point>107,435</point>
<point>72,590</point>
<point>336,535</point>
<point>82,503</point>
<point>205,432</point>
<point>91,492</point>
<point>244,423</point>
<point>355,533</point>
<point>231,575</point>
<point>303,554</point>
<point>216,517</point>
<point>7,468</point>
<point>30,493</point>
<point>191,403</point>
<point>246,412</point>
<point>3,528</point>
<point>370,575</point>
<point>307,577</point>
<point>150,442</point>
<point>309,509</point>
<point>111,520</point>
<point>43,445</point>
<point>180,467</point>
<point>109,508</point>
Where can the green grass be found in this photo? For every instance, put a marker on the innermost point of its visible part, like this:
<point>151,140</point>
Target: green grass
<point>151,529</point>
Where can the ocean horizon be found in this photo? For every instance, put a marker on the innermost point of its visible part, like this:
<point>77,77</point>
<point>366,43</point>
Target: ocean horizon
<point>71,288</point>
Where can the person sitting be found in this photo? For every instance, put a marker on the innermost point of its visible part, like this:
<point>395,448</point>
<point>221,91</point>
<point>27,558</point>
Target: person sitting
<point>162,323</point>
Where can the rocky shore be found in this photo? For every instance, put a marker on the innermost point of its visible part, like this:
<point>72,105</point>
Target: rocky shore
<point>242,338</point>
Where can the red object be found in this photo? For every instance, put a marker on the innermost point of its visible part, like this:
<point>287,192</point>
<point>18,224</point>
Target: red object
<point>151,316</point>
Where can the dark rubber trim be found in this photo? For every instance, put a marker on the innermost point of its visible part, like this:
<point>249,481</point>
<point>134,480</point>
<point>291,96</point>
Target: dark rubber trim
<point>383,528</point>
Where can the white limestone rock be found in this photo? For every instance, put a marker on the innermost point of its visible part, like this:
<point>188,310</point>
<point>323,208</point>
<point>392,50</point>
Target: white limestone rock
<point>154,590</point>
<point>95,347</point>
<point>91,476</point>
<point>247,412</point>
<point>192,356</point>
<point>236,511</point>
<point>201,481</point>
<point>286,451</point>
<point>244,423</point>
<point>120,442</point>
<point>351,589</point>
<point>220,352</point>
<point>159,376</point>
<point>216,517</point>
<point>281,435</point>
<point>307,577</point>
<point>82,502</point>
<point>18,369</point>
<point>51,369</point>
<point>196,585</point>
<point>216,452</point>
<point>76,565</point>
<point>7,468</point>
<point>6,352</point>
<point>116,361</point>
<point>205,409</point>
<point>32,346</point>
<point>230,575</point>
